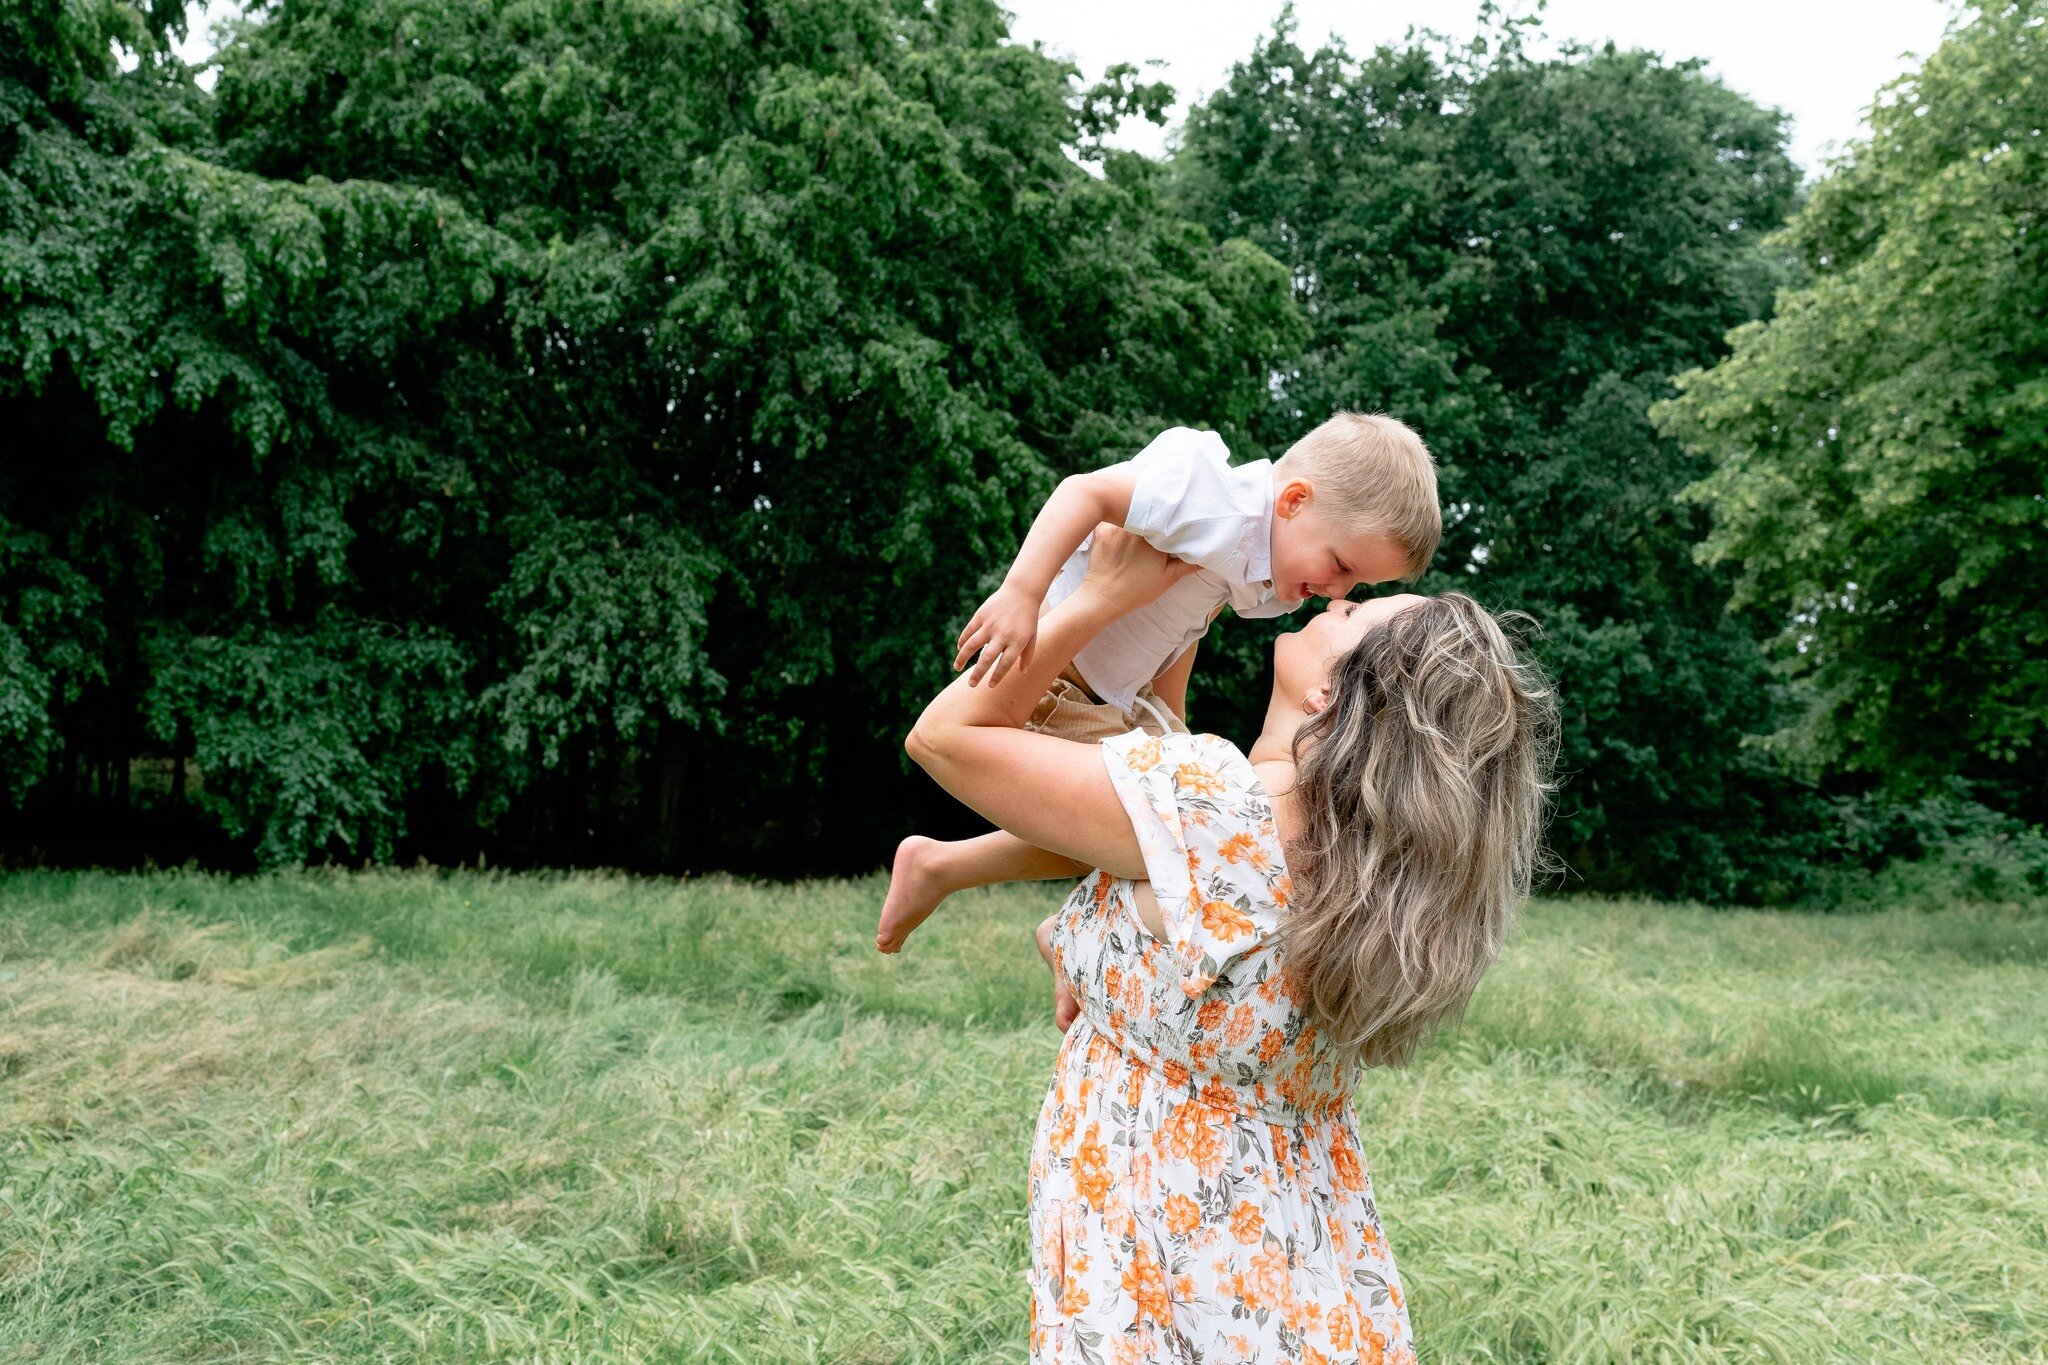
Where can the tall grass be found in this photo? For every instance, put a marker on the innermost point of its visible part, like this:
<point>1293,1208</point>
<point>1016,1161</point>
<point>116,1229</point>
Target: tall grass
<point>416,1116</point>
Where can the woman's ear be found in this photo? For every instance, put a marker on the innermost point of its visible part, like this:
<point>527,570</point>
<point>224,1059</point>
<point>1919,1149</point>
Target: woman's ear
<point>1318,697</point>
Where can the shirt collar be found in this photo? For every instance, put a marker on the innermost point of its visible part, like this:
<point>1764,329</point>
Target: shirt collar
<point>1253,485</point>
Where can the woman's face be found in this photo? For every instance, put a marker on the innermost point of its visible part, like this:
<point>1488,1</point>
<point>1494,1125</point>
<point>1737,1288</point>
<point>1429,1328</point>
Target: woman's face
<point>1302,660</point>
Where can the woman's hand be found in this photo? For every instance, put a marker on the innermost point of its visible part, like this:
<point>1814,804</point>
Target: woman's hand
<point>1125,572</point>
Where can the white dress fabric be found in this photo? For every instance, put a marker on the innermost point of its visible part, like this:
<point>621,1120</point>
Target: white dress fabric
<point>1197,1187</point>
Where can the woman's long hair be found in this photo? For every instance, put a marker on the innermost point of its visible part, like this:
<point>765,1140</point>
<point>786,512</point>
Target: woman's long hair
<point>1423,784</point>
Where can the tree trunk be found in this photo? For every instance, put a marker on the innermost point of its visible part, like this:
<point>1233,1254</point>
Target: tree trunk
<point>675,809</point>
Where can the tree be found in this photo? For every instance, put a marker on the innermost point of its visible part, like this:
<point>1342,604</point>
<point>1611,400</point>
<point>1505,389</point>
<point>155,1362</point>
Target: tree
<point>1880,445</point>
<point>196,371</point>
<point>1513,254</point>
<point>584,423</point>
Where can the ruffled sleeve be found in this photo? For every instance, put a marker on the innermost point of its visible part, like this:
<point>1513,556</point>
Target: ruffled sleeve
<point>1206,832</point>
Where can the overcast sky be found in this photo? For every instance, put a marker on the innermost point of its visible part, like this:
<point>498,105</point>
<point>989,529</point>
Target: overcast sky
<point>1821,61</point>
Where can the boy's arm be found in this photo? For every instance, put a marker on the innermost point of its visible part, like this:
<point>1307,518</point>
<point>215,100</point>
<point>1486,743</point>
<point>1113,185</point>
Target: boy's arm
<point>1006,626</point>
<point>1171,686</point>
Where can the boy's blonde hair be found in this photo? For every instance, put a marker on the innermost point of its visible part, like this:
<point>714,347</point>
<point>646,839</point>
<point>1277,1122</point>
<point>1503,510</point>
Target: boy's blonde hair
<point>1373,471</point>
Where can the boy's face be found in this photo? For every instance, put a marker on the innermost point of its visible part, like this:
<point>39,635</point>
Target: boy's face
<point>1315,555</point>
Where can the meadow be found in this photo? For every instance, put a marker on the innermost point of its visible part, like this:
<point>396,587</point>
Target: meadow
<point>467,1116</point>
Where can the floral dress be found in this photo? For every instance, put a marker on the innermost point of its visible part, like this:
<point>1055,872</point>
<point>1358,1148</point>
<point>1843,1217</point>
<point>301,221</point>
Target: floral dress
<point>1197,1192</point>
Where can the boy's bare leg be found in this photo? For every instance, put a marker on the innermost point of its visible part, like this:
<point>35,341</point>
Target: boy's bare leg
<point>927,871</point>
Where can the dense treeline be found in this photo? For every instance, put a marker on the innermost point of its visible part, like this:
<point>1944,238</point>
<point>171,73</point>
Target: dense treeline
<point>571,431</point>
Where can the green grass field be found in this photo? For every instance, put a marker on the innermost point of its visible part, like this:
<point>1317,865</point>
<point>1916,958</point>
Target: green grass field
<point>465,1117</point>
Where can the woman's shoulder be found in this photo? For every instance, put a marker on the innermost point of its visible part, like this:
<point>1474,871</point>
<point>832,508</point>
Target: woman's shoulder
<point>1211,849</point>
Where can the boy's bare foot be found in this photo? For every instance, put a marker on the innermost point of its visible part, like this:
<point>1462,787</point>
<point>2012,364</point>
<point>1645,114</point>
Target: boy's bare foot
<point>915,890</point>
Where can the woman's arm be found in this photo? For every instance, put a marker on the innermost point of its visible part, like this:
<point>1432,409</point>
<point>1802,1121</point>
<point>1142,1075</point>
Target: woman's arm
<point>1050,792</point>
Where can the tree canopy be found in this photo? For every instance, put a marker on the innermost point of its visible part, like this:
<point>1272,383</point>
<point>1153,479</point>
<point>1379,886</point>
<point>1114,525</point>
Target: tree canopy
<point>573,430</point>
<point>513,416</point>
<point>1880,483</point>
<point>1514,253</point>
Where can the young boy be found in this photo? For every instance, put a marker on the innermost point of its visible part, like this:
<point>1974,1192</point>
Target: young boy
<point>1352,502</point>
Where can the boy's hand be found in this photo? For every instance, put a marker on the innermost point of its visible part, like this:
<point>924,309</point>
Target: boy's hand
<point>1005,630</point>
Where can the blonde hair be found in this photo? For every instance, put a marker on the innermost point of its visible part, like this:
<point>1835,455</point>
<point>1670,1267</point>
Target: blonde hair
<point>1372,470</point>
<point>1424,784</point>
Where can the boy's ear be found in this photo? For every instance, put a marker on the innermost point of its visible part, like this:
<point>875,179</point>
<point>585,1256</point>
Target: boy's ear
<point>1292,496</point>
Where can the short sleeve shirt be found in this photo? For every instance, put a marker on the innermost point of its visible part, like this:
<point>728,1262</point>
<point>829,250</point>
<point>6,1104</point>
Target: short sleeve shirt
<point>1190,502</point>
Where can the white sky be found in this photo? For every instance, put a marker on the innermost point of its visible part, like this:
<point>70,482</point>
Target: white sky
<point>1821,61</point>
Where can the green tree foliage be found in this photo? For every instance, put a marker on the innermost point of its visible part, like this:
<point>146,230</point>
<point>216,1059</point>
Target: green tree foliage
<point>1514,254</point>
<point>492,422</point>
<point>1881,444</point>
<point>198,369</point>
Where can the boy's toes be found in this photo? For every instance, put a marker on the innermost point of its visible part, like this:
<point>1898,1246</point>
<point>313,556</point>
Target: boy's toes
<point>914,892</point>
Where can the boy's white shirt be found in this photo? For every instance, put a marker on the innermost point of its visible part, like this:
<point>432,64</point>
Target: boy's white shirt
<point>1192,503</point>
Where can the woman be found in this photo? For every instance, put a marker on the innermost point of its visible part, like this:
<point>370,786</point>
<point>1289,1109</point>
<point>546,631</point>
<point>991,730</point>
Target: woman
<point>1260,926</point>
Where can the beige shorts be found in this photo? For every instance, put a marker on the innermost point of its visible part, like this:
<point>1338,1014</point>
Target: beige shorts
<point>1070,711</point>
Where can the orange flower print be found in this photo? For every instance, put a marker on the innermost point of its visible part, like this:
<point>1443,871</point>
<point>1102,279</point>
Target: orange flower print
<point>1193,1134</point>
<point>1145,1282</point>
<point>1183,1215</point>
<point>1311,1356</point>
<point>1270,1045</point>
<point>1210,1015</point>
<point>1205,1148</point>
<point>1143,756</point>
<point>1344,1161</point>
<point>1113,982</point>
<point>1198,779</point>
<point>1282,890</point>
<point>1269,1273</point>
<point>1246,1223</point>
<point>1242,847</point>
<point>1176,1072</point>
<point>1242,1021</point>
<point>1225,920</point>
<point>1091,1168</point>
<point>1341,1339</point>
